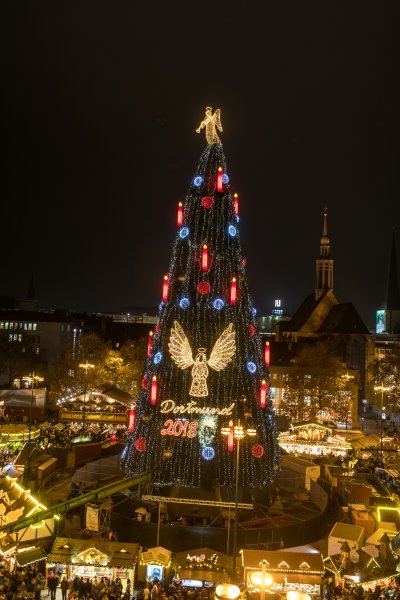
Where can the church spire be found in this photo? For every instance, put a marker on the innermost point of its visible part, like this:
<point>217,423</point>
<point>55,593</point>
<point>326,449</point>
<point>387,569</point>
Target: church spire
<point>324,264</point>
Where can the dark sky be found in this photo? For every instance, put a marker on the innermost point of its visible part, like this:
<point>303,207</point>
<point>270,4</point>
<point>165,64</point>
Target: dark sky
<point>99,103</point>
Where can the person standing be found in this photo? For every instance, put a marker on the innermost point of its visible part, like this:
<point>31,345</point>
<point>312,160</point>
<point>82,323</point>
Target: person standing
<point>64,588</point>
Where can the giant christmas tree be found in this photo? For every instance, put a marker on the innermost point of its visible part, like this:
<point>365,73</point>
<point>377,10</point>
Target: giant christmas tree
<point>205,368</point>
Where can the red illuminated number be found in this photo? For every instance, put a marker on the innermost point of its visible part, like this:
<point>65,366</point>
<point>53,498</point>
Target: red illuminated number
<point>169,425</point>
<point>178,426</point>
<point>192,431</point>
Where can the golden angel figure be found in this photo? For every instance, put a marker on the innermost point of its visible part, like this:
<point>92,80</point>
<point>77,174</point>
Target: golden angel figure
<point>211,122</point>
<point>221,355</point>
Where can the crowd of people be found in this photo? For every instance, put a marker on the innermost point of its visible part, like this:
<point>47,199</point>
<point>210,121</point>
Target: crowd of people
<point>21,584</point>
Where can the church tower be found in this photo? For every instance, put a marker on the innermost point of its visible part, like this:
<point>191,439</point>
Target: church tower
<point>324,264</point>
<point>388,317</point>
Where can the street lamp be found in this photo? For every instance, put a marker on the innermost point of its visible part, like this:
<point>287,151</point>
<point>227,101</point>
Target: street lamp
<point>237,432</point>
<point>31,379</point>
<point>86,366</point>
<point>382,389</point>
<point>262,579</point>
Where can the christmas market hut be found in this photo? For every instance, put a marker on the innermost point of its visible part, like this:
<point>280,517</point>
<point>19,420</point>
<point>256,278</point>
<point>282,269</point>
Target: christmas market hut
<point>287,570</point>
<point>93,557</point>
<point>201,567</point>
<point>153,564</point>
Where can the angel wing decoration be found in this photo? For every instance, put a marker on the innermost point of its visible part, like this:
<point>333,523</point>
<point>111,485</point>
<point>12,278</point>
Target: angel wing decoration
<point>221,355</point>
<point>211,122</point>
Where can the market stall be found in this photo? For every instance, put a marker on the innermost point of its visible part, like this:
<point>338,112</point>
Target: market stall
<point>202,567</point>
<point>93,557</point>
<point>289,571</point>
<point>313,439</point>
<point>153,564</point>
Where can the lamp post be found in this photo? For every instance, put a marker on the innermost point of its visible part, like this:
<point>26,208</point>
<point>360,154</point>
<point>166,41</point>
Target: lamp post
<point>237,432</point>
<point>86,366</point>
<point>31,379</point>
<point>262,579</point>
<point>382,389</point>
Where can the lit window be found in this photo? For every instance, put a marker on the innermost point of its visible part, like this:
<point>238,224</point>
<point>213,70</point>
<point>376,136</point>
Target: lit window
<point>11,325</point>
<point>34,326</point>
<point>2,325</point>
<point>20,337</point>
<point>30,326</point>
<point>15,337</point>
<point>6,325</point>
<point>10,337</point>
<point>25,326</point>
<point>37,350</point>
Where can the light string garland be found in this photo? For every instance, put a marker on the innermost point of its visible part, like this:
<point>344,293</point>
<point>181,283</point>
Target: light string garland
<point>175,457</point>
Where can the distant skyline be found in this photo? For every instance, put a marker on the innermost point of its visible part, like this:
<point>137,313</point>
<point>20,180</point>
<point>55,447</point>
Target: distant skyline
<point>98,115</point>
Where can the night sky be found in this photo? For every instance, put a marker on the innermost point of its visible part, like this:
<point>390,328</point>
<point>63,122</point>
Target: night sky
<point>99,105</point>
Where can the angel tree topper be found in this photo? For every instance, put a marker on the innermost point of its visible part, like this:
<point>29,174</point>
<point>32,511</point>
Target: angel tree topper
<point>220,357</point>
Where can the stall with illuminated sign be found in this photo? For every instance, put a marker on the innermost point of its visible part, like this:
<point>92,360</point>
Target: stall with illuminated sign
<point>202,567</point>
<point>93,557</point>
<point>289,571</point>
<point>313,439</point>
<point>153,564</point>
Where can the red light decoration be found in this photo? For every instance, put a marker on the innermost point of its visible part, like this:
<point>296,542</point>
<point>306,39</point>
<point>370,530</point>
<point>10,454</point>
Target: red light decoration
<point>145,383</point>
<point>236,204</point>
<point>207,201</point>
<point>267,354</point>
<point>233,291</point>
<point>204,258</point>
<point>150,343</point>
<point>263,393</point>
<point>165,288</point>
<point>244,262</point>
<point>131,424</point>
<point>154,391</point>
<point>257,451</point>
<point>140,444</point>
<point>180,214</point>
<point>230,440</point>
<point>203,287</point>
<point>158,328</point>
<point>251,329</point>
<point>113,437</point>
<point>219,180</point>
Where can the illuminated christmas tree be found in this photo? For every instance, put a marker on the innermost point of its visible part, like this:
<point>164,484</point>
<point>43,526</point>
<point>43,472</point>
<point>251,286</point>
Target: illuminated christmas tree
<point>206,368</point>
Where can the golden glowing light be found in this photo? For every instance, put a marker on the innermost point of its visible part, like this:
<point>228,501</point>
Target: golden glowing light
<point>211,122</point>
<point>227,591</point>
<point>258,580</point>
<point>221,355</point>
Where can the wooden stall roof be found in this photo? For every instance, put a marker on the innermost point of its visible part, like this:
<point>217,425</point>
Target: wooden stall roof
<point>284,562</point>
<point>120,554</point>
<point>30,556</point>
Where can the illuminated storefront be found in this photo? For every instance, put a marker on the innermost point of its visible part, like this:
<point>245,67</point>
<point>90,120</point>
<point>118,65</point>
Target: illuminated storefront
<point>92,558</point>
<point>289,571</point>
<point>153,564</point>
<point>313,439</point>
<point>202,567</point>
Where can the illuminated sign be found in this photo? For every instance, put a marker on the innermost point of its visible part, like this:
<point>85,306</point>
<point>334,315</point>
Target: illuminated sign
<point>168,406</point>
<point>202,558</point>
<point>183,428</point>
<point>380,321</point>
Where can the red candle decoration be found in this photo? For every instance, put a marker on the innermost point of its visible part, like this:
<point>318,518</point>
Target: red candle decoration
<point>154,391</point>
<point>165,288</point>
<point>131,419</point>
<point>219,180</point>
<point>263,393</point>
<point>233,290</point>
<point>150,343</point>
<point>267,354</point>
<point>204,258</point>
<point>236,204</point>
<point>180,214</point>
<point>230,440</point>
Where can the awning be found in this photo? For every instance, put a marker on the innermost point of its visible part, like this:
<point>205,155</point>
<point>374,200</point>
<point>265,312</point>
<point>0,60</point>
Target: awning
<point>30,556</point>
<point>203,575</point>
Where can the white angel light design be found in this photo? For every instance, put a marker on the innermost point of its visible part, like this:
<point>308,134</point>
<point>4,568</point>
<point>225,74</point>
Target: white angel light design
<point>220,357</point>
<point>211,122</point>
